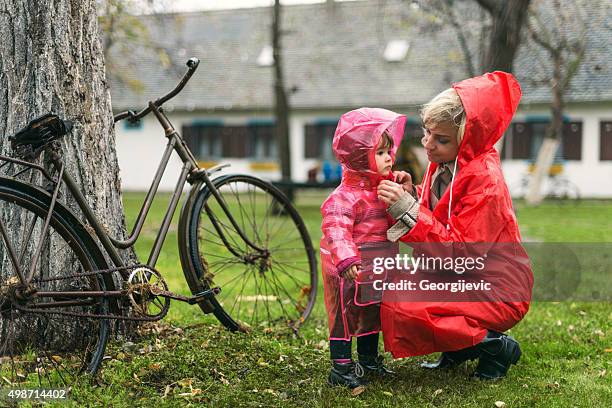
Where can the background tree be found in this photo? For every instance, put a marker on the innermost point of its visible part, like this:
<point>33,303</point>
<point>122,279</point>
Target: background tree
<point>489,37</point>
<point>507,23</point>
<point>281,103</point>
<point>561,31</point>
<point>123,30</point>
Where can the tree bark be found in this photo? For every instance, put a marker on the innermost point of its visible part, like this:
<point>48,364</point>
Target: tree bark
<point>281,101</point>
<point>566,56</point>
<point>508,18</point>
<point>51,60</point>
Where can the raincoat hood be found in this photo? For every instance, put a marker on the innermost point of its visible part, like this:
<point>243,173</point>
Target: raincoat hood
<point>490,101</point>
<point>358,134</point>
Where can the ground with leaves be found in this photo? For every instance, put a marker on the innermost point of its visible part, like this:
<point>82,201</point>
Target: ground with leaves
<point>190,360</point>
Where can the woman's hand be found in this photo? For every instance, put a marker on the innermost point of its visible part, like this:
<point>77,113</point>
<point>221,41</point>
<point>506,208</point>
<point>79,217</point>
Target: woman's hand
<point>390,192</point>
<point>405,179</point>
<point>351,273</point>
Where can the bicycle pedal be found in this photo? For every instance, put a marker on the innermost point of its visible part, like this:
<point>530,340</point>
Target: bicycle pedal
<point>207,294</point>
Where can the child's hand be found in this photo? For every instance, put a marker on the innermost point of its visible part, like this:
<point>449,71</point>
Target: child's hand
<point>351,273</point>
<point>390,192</point>
<point>405,179</point>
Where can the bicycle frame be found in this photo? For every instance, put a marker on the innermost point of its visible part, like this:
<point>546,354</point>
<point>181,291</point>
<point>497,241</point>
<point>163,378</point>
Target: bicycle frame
<point>191,173</point>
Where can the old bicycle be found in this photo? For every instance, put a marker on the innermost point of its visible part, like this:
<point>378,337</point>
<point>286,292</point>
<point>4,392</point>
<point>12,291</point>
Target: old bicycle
<point>244,250</point>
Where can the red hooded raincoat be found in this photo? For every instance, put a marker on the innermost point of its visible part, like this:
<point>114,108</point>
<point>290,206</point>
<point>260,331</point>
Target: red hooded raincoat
<point>480,211</point>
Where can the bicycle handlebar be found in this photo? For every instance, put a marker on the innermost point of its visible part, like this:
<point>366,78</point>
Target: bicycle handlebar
<point>132,116</point>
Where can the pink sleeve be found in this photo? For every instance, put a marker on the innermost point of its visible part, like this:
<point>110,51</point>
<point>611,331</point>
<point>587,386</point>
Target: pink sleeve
<point>338,217</point>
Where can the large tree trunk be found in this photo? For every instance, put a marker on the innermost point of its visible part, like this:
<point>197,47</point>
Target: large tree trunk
<point>51,60</point>
<point>508,18</point>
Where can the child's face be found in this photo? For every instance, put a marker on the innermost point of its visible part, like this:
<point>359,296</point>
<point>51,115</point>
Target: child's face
<point>384,158</point>
<point>440,142</point>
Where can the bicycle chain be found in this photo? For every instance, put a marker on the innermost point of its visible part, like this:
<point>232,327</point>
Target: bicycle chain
<point>91,315</point>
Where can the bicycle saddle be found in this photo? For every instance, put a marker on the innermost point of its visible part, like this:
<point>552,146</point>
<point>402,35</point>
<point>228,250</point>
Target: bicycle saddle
<point>30,140</point>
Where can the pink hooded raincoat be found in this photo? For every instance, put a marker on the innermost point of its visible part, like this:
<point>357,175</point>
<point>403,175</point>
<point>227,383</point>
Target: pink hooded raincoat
<point>354,218</point>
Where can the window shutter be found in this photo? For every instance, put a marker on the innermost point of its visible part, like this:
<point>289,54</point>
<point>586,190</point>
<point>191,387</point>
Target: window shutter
<point>605,141</point>
<point>312,142</point>
<point>572,141</point>
<point>521,140</point>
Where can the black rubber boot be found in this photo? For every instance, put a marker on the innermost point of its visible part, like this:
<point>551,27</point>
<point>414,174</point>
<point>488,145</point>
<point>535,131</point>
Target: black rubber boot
<point>344,374</point>
<point>450,359</point>
<point>372,366</point>
<point>497,353</point>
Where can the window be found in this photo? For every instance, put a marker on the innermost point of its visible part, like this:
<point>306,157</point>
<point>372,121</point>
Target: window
<point>131,125</point>
<point>318,140</point>
<point>204,139</point>
<point>605,140</point>
<point>213,140</point>
<point>524,139</point>
<point>266,56</point>
<point>396,50</point>
<point>262,144</point>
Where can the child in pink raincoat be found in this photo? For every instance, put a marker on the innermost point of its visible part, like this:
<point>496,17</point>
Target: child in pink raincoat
<point>365,143</point>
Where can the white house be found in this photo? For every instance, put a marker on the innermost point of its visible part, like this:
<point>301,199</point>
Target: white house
<point>337,57</point>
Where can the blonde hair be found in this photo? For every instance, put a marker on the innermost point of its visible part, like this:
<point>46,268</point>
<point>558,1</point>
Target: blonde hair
<point>445,108</point>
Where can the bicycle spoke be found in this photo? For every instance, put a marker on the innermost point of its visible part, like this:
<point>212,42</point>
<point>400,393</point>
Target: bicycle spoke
<point>267,290</point>
<point>281,269</point>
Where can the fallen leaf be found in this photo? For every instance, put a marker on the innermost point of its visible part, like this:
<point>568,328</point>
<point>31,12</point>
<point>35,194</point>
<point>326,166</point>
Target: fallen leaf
<point>500,404</point>
<point>570,327</point>
<point>262,362</point>
<point>599,333</point>
<point>437,392</point>
<point>358,390</point>
<point>154,366</point>
<point>553,385</point>
<point>602,373</point>
<point>608,350</point>
<point>387,393</point>
<point>582,313</point>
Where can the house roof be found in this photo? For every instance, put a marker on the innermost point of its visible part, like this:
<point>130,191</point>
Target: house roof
<point>333,58</point>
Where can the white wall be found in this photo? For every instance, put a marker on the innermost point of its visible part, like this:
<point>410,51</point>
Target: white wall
<point>592,176</point>
<point>140,150</point>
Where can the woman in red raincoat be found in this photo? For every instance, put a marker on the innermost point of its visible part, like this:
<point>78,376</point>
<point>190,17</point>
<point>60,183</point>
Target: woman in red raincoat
<point>463,199</point>
<point>355,221</point>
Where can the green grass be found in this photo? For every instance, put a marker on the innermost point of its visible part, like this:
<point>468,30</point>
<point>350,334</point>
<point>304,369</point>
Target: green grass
<point>190,360</point>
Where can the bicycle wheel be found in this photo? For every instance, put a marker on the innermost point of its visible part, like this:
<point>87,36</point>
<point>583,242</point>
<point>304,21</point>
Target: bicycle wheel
<point>38,346</point>
<point>276,286</point>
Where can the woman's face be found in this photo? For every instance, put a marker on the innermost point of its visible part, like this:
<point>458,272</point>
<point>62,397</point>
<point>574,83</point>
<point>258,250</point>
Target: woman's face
<point>440,142</point>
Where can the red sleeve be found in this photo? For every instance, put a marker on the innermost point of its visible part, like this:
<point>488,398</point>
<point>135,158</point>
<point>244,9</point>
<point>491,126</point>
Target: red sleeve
<point>479,216</point>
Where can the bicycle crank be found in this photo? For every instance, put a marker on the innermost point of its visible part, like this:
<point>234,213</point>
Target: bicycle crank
<point>145,289</point>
